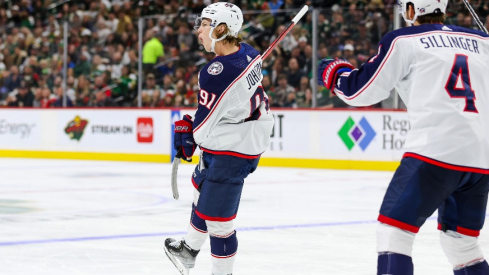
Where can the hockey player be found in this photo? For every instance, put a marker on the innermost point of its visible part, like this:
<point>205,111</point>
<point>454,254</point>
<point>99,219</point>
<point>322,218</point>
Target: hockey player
<point>232,127</point>
<point>439,72</point>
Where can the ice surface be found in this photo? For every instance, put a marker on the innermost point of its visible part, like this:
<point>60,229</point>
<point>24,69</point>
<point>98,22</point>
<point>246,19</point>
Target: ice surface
<point>93,217</point>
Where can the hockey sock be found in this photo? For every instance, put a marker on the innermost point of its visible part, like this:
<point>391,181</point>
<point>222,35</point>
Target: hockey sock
<point>478,269</point>
<point>197,231</point>
<point>394,264</point>
<point>223,250</point>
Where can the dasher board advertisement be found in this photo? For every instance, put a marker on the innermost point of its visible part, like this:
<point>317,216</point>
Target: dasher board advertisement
<point>128,131</point>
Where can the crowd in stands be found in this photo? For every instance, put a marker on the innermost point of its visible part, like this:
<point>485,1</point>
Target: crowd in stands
<point>103,46</point>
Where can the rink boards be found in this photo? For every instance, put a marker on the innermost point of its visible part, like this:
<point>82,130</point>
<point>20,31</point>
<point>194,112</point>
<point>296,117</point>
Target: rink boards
<point>339,139</point>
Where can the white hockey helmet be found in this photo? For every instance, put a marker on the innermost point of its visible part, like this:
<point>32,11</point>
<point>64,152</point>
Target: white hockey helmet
<point>227,13</point>
<point>222,13</point>
<point>422,7</point>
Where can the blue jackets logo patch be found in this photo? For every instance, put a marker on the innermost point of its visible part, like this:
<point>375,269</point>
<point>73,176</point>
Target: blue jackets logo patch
<point>215,68</point>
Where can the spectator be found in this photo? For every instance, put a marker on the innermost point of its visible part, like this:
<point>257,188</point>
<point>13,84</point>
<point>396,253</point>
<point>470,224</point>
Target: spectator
<point>168,86</point>
<point>327,100</point>
<point>152,51</point>
<point>124,93</point>
<point>274,5</point>
<point>294,74</point>
<point>303,96</point>
<point>60,98</point>
<point>185,39</point>
<point>348,51</point>
<point>37,98</point>
<point>12,82</point>
<point>150,85</point>
<point>277,69</point>
<point>83,67</point>
<point>2,65</point>
<point>24,97</point>
<point>282,92</point>
<point>116,65</point>
<point>102,100</point>
<point>82,91</point>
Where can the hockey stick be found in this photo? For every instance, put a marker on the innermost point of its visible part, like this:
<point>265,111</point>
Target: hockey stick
<point>174,172</point>
<point>474,15</point>
<point>285,32</point>
<point>176,161</point>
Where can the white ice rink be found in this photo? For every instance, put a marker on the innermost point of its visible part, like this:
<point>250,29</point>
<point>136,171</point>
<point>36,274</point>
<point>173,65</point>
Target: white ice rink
<point>87,217</point>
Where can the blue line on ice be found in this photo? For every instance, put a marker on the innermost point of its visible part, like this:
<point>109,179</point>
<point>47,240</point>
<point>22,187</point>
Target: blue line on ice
<point>251,228</point>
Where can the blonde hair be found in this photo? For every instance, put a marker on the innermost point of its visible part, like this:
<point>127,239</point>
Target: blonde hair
<point>229,38</point>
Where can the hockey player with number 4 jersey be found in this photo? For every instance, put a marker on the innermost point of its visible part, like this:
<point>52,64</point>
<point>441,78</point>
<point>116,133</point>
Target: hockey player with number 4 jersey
<point>232,127</point>
<point>440,74</point>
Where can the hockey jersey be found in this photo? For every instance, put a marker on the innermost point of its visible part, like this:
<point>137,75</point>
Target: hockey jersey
<point>233,116</point>
<point>439,72</point>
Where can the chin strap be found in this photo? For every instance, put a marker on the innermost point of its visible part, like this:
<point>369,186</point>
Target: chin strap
<point>213,43</point>
<point>410,22</point>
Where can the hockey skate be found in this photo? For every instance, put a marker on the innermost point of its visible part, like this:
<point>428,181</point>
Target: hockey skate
<point>181,255</point>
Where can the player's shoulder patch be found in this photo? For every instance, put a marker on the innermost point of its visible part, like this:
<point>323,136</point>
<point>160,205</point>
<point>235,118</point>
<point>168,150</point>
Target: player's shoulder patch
<point>215,68</point>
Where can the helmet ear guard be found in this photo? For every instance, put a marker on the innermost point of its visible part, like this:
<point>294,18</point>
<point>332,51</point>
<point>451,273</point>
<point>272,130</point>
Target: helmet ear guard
<point>421,7</point>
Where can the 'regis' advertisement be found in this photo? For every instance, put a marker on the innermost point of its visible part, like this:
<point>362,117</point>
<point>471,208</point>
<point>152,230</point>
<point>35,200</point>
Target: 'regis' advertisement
<point>364,135</point>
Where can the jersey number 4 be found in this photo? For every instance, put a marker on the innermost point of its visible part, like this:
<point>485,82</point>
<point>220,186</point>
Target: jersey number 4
<point>458,83</point>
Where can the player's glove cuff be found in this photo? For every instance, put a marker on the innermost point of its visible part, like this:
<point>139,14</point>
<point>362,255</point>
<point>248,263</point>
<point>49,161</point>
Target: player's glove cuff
<point>183,138</point>
<point>330,69</point>
<point>184,125</point>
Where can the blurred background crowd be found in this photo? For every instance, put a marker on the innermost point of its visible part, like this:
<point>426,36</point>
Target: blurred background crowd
<point>103,48</point>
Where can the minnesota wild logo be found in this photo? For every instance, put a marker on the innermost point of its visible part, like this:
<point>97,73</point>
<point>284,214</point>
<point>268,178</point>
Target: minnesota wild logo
<point>75,128</point>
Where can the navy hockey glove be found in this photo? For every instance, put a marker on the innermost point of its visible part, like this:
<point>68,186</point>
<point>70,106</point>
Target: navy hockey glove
<point>330,69</point>
<point>183,138</point>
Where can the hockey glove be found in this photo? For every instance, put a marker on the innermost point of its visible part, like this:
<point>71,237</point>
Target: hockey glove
<point>330,69</point>
<point>183,138</point>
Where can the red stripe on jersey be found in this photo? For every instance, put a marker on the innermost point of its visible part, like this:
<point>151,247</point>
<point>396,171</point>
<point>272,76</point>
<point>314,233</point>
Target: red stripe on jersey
<point>446,165</point>
<point>224,236</point>
<point>214,219</point>
<point>195,184</point>
<point>201,231</point>
<point>230,153</point>
<point>223,257</point>
<point>225,91</point>
<point>468,232</point>
<point>465,231</point>
<point>398,224</point>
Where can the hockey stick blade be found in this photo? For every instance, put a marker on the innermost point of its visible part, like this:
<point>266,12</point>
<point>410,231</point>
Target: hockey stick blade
<point>285,32</point>
<point>174,174</point>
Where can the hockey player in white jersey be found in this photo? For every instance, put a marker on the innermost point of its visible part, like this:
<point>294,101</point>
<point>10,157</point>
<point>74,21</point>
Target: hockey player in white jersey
<point>232,127</point>
<point>440,74</point>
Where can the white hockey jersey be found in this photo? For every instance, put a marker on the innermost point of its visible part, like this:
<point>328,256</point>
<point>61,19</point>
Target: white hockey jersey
<point>440,73</point>
<point>233,117</point>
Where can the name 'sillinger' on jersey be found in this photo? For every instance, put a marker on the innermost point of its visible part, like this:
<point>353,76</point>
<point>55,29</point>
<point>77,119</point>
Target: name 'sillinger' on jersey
<point>254,76</point>
<point>450,41</point>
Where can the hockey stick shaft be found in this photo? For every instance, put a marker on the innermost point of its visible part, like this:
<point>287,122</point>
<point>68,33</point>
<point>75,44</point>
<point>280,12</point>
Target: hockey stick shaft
<point>474,15</point>
<point>174,174</point>
<point>285,32</point>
